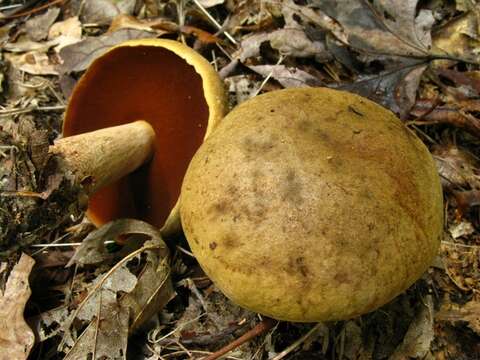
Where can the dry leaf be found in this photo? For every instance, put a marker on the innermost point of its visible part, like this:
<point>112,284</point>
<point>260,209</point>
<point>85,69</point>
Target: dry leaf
<point>93,249</point>
<point>394,88</point>
<point>67,32</point>
<point>119,302</point>
<point>33,62</point>
<point>202,35</point>
<point>458,38</point>
<point>387,27</point>
<point>100,12</point>
<point>241,87</point>
<point>470,313</point>
<point>23,44</point>
<point>37,27</point>
<point>287,77</point>
<point>124,21</point>
<point>79,56</point>
<point>417,340</point>
<point>210,3</point>
<point>456,166</point>
<point>16,337</point>
<point>461,229</point>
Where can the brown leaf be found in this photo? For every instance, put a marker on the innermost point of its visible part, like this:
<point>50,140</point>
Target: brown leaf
<point>287,76</point>
<point>394,88</point>
<point>119,291</point>
<point>386,27</point>
<point>417,340</point>
<point>67,32</point>
<point>450,115</point>
<point>202,35</point>
<point>459,38</point>
<point>124,21</point>
<point>470,313</point>
<point>153,291</point>
<point>16,337</point>
<point>94,251</point>
<point>456,166</point>
<point>79,56</point>
<point>100,12</point>
<point>33,62</point>
<point>37,27</point>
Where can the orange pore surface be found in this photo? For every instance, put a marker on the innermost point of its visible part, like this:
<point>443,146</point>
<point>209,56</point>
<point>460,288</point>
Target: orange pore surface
<point>142,83</point>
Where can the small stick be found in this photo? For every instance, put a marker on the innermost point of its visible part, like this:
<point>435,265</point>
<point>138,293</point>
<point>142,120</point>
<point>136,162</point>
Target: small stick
<point>260,328</point>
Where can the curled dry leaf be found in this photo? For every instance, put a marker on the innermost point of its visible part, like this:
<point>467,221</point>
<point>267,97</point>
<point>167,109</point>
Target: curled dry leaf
<point>119,303</point>
<point>16,337</point>
<point>79,56</point>
<point>93,249</point>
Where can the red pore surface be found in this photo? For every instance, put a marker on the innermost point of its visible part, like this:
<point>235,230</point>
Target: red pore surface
<point>142,83</point>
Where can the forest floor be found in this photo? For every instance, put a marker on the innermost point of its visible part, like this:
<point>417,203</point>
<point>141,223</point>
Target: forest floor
<point>419,59</point>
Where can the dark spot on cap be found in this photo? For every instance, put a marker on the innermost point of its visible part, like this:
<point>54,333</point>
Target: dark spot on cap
<point>212,245</point>
<point>342,277</point>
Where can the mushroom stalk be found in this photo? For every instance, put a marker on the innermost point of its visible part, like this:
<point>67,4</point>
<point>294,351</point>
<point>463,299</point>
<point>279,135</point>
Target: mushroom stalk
<point>103,156</point>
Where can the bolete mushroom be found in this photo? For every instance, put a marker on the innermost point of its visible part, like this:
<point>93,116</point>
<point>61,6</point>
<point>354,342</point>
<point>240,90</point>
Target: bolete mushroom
<point>312,205</point>
<point>169,98</point>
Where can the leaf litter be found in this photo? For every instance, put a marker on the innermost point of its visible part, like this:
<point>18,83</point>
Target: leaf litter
<point>148,298</point>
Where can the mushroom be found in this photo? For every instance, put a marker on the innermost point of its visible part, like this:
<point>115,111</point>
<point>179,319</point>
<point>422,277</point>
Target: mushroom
<point>312,205</point>
<point>153,99</point>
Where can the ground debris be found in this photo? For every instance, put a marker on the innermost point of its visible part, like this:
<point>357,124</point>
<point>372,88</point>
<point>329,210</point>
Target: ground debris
<point>417,58</point>
<point>37,196</point>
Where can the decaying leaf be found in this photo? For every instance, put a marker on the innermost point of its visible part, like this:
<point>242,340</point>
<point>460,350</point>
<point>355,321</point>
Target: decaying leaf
<point>385,27</point>
<point>394,88</point>
<point>38,26</point>
<point>100,12</point>
<point>456,166</point>
<point>461,229</point>
<point>459,37</point>
<point>289,41</point>
<point>16,337</point>
<point>417,340</point>
<point>33,62</point>
<point>119,302</point>
<point>93,249</point>
<point>469,313</point>
<point>66,32</point>
<point>79,56</point>
<point>287,77</point>
<point>37,194</point>
<point>210,3</point>
<point>241,87</point>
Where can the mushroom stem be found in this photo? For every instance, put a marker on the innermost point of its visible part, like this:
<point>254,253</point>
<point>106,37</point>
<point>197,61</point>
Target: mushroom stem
<point>103,156</point>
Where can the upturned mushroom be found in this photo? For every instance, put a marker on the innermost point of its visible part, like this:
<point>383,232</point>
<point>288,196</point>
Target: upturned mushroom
<point>312,205</point>
<point>154,100</point>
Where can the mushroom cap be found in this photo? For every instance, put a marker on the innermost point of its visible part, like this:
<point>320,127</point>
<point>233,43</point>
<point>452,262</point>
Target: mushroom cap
<point>166,84</point>
<point>312,205</point>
